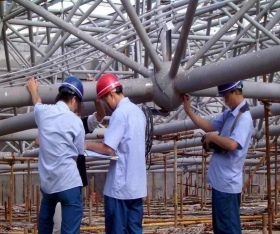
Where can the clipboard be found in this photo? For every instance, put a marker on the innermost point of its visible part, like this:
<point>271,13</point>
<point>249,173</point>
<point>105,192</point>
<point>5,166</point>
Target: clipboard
<point>89,153</point>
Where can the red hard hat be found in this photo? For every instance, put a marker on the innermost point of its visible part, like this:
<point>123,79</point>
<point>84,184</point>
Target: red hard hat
<point>106,83</point>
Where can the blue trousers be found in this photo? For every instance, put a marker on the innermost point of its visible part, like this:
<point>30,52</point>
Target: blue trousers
<point>71,207</point>
<point>225,212</point>
<point>123,216</point>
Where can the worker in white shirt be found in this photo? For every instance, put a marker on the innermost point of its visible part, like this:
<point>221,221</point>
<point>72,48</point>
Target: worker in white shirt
<point>61,137</point>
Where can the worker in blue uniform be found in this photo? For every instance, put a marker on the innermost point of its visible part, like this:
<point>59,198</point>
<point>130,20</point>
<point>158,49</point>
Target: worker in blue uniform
<point>61,138</point>
<point>125,184</point>
<point>230,148</point>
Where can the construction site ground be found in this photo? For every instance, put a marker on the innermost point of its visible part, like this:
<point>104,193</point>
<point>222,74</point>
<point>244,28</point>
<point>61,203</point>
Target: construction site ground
<point>159,217</point>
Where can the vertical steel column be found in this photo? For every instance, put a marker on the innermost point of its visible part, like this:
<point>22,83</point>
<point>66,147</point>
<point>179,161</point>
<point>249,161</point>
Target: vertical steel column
<point>20,142</point>
<point>165,183</point>
<point>37,204</point>
<point>181,195</point>
<point>204,182</point>
<point>11,194</point>
<point>137,43</point>
<point>269,208</point>
<point>6,48</point>
<point>168,37</point>
<point>142,34</point>
<point>183,38</point>
<point>175,184</point>
<point>62,44</point>
<point>207,34</point>
<point>276,178</point>
<point>47,28</point>
<point>238,31</point>
<point>28,191</point>
<point>146,59</point>
<point>31,39</point>
<point>2,195</point>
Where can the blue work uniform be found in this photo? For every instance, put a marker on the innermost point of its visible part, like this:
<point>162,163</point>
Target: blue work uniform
<point>61,137</point>
<point>126,182</point>
<point>225,170</point>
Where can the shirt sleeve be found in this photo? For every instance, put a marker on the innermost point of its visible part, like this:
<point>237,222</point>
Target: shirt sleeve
<point>242,131</point>
<point>218,122</point>
<point>37,112</point>
<point>79,139</point>
<point>92,122</point>
<point>115,132</point>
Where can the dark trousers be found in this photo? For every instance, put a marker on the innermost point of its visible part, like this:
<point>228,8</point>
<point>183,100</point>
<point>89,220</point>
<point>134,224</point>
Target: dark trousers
<point>225,213</point>
<point>71,207</point>
<point>123,216</point>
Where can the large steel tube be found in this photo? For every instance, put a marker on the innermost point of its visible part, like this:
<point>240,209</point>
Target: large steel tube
<point>19,96</point>
<point>234,69</point>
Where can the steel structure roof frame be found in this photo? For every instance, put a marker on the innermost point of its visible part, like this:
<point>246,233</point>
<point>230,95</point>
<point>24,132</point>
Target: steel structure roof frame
<point>101,37</point>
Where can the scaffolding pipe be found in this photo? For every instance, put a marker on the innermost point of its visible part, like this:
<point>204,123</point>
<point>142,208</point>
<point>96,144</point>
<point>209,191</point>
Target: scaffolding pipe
<point>181,45</point>
<point>186,125</point>
<point>85,37</point>
<point>219,34</point>
<point>142,34</point>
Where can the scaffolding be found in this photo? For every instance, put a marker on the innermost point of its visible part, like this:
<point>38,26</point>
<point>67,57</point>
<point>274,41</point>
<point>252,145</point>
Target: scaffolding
<point>159,50</point>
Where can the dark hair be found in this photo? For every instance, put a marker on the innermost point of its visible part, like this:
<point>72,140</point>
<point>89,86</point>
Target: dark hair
<point>118,89</point>
<point>66,95</point>
<point>238,89</point>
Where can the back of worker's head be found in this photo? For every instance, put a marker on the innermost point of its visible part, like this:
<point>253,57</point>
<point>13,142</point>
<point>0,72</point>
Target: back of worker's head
<point>109,89</point>
<point>230,87</point>
<point>71,92</point>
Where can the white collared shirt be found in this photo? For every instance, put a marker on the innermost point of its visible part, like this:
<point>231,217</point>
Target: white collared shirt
<point>61,137</point>
<point>225,171</point>
<point>126,177</point>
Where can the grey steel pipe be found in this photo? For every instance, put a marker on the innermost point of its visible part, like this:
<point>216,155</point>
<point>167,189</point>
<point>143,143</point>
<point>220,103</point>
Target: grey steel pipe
<point>85,37</point>
<point>19,11</point>
<point>31,134</point>
<point>51,49</point>
<point>249,91</point>
<point>18,166</point>
<point>185,125</point>
<point>142,34</point>
<point>19,96</point>
<point>219,34</point>
<point>234,69</point>
<point>181,46</point>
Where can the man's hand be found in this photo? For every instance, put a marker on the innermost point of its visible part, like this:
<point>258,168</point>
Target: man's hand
<point>208,139</point>
<point>37,141</point>
<point>32,86</point>
<point>100,111</point>
<point>186,98</point>
<point>90,79</point>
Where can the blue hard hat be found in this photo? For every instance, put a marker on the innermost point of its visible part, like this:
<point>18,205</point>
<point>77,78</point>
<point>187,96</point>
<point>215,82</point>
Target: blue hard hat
<point>74,84</point>
<point>226,88</point>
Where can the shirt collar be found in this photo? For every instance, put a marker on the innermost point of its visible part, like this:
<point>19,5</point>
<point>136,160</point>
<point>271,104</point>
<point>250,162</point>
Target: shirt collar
<point>237,109</point>
<point>63,104</point>
<point>123,101</point>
